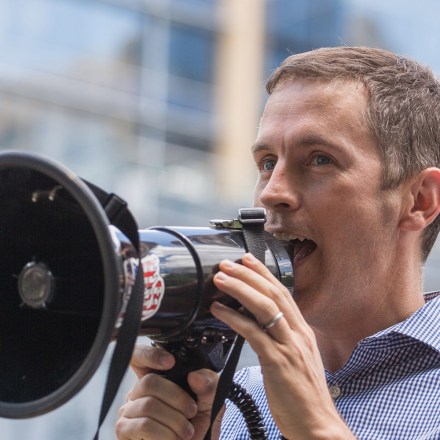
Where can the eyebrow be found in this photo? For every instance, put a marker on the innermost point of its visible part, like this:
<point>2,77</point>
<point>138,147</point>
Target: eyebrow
<point>259,147</point>
<point>305,141</point>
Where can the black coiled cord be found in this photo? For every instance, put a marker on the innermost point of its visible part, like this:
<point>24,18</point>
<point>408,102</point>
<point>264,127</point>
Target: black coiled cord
<point>251,414</point>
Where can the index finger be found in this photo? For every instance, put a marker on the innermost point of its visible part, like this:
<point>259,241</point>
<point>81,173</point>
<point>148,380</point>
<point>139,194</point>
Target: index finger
<point>257,276</point>
<point>257,266</point>
<point>146,358</point>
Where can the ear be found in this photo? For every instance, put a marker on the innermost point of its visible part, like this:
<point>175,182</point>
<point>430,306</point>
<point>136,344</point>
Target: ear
<point>422,200</point>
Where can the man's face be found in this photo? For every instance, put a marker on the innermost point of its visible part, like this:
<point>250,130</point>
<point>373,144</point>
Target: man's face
<point>319,179</point>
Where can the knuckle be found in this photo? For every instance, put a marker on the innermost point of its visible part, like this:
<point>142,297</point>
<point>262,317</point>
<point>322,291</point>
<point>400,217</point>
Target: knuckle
<point>148,404</point>
<point>120,427</point>
<point>267,309</point>
<point>145,425</point>
<point>150,429</point>
<point>156,385</point>
<point>144,386</point>
<point>121,411</point>
<point>276,294</point>
<point>149,382</point>
<point>310,338</point>
<point>150,379</point>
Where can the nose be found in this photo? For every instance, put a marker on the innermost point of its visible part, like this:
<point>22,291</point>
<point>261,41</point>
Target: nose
<point>279,191</point>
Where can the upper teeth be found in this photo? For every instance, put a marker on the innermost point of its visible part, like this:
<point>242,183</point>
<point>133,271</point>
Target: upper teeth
<point>286,236</point>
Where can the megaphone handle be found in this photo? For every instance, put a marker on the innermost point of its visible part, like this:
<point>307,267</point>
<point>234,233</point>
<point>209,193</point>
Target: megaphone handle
<point>191,359</point>
<point>184,365</point>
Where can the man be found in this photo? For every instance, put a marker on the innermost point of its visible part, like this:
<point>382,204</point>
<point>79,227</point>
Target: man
<point>348,153</point>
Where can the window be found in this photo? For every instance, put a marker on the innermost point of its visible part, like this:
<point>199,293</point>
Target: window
<point>191,53</point>
<point>84,40</point>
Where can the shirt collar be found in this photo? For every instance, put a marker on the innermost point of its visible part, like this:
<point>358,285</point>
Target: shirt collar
<point>423,325</point>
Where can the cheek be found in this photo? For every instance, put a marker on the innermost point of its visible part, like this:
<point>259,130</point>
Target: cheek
<point>358,221</point>
<point>257,193</point>
<point>336,216</point>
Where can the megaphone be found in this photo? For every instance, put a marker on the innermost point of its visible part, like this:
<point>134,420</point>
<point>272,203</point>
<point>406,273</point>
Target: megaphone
<point>67,271</point>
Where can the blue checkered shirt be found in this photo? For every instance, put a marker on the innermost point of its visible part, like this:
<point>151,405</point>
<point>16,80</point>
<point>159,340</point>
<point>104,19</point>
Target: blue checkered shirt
<point>389,388</point>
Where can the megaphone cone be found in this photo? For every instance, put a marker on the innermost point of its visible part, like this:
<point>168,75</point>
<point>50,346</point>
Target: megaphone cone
<point>59,284</point>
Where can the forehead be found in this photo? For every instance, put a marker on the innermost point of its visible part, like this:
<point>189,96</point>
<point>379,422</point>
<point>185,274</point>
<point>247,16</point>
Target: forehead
<point>319,96</point>
<point>313,107</point>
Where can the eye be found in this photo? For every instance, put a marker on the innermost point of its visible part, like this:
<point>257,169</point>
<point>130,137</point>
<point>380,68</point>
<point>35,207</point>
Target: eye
<point>320,160</point>
<point>267,164</point>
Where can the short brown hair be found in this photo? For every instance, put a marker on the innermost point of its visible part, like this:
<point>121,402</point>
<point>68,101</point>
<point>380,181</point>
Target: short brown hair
<point>403,107</point>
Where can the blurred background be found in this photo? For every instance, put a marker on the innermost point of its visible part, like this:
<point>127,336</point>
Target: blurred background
<point>159,102</point>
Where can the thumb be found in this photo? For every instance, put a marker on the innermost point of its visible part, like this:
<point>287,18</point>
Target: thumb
<point>204,384</point>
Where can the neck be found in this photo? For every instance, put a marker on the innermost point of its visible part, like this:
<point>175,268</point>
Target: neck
<point>343,326</point>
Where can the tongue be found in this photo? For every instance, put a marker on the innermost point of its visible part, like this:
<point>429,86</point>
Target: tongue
<point>302,249</point>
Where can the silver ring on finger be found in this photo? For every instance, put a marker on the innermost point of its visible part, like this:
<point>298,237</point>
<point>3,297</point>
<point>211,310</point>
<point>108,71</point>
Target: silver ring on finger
<point>273,321</point>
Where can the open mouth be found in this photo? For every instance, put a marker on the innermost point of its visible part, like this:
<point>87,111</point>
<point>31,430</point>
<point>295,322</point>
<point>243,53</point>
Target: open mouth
<point>297,247</point>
